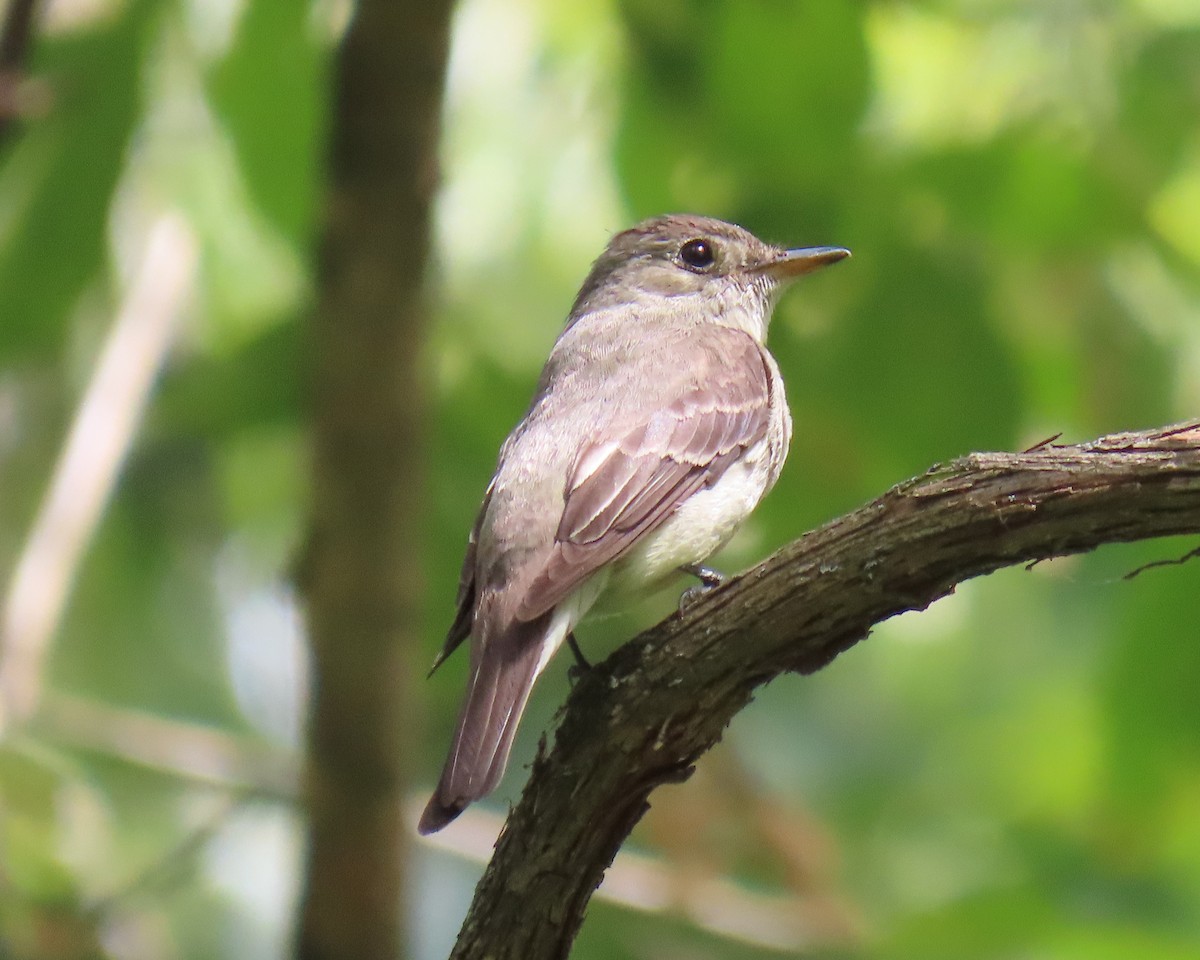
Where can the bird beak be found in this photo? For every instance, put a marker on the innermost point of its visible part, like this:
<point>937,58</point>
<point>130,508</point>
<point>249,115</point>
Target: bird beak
<point>793,263</point>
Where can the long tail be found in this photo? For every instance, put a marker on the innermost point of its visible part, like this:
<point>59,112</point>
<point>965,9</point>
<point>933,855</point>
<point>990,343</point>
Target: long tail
<point>502,675</point>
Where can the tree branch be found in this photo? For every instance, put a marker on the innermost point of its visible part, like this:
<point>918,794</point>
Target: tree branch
<point>89,466</point>
<point>646,715</point>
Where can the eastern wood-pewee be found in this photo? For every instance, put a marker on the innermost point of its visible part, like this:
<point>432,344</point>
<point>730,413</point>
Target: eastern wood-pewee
<point>658,424</point>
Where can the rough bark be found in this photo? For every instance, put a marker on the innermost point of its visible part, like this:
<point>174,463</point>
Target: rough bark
<point>644,716</point>
<point>360,575</point>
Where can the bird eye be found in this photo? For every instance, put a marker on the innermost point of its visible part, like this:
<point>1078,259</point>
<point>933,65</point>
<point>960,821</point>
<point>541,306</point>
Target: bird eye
<point>697,254</point>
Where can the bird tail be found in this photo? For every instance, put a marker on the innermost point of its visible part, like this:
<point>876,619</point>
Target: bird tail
<point>496,696</point>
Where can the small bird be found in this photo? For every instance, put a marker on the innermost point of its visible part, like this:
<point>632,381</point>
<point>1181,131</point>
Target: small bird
<point>658,424</point>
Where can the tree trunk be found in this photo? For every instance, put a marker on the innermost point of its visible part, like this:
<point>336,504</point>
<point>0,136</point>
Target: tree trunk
<point>361,575</point>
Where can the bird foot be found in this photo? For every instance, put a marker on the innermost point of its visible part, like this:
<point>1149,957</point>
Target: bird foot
<point>582,666</point>
<point>709,578</point>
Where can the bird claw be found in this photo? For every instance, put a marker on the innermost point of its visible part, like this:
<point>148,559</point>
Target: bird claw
<point>581,662</point>
<point>709,578</point>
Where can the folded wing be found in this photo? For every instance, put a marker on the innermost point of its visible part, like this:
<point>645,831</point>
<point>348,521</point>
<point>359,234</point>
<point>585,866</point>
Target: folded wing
<point>628,480</point>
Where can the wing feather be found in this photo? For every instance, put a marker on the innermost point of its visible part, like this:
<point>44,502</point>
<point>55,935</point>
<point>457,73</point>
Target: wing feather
<point>606,494</point>
<point>464,603</point>
<point>627,482</point>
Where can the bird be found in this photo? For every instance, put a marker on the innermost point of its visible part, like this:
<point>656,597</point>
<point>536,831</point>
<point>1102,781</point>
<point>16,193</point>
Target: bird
<point>658,424</point>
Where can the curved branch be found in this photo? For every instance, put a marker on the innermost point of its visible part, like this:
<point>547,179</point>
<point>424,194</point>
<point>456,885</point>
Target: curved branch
<point>644,716</point>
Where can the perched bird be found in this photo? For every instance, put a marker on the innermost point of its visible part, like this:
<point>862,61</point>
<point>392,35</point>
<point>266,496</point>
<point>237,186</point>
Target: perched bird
<point>658,424</point>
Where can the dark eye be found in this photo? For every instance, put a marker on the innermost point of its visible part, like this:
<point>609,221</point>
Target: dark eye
<point>697,254</point>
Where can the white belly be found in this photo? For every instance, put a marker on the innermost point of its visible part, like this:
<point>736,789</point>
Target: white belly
<point>700,526</point>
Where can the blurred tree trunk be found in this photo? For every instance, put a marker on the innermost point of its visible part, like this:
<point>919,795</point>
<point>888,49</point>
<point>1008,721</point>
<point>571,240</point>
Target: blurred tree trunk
<point>360,575</point>
<point>16,35</point>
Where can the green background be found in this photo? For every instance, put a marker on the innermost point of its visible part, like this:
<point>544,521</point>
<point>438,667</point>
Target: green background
<point>1014,773</point>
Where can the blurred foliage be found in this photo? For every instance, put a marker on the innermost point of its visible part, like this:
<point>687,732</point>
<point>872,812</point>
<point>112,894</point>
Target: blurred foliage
<point>1012,773</point>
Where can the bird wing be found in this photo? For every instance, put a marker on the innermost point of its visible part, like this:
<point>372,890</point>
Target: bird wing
<point>464,603</point>
<point>628,479</point>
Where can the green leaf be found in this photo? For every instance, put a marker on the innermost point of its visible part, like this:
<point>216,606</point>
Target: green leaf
<point>59,175</point>
<point>270,92</point>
